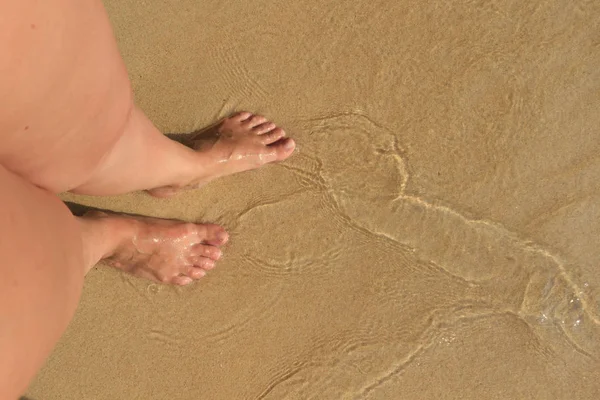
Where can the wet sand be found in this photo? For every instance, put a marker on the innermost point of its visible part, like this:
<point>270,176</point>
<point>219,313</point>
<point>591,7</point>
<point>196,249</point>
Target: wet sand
<point>434,237</point>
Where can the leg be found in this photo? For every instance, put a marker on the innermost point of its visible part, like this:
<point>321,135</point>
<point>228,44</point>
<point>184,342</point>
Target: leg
<point>42,272</point>
<point>48,254</point>
<point>70,123</point>
<point>143,158</point>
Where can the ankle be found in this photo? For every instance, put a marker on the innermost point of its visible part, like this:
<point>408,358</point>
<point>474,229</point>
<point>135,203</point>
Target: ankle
<point>103,234</point>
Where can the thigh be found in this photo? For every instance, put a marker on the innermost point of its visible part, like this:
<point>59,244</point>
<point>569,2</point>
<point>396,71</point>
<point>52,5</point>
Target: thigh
<point>42,271</point>
<point>66,94</point>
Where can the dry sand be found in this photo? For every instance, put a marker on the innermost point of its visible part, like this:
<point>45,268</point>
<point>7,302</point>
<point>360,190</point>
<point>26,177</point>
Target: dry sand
<point>435,236</point>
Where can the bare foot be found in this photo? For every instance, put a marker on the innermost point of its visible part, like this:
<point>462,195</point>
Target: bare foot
<point>240,143</point>
<point>162,250</point>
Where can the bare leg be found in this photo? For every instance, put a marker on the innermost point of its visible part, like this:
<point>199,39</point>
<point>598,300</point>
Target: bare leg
<point>143,158</point>
<point>49,252</point>
<point>70,123</point>
<point>42,272</point>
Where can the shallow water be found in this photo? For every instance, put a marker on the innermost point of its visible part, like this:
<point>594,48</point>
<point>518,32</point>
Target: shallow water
<point>435,236</point>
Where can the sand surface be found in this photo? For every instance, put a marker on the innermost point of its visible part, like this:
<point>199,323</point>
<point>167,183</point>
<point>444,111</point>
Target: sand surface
<point>436,236</point>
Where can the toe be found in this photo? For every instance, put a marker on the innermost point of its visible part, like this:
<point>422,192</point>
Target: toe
<point>182,280</point>
<point>284,148</point>
<point>208,251</point>
<point>204,263</point>
<point>212,234</point>
<point>264,128</point>
<point>255,120</point>
<point>273,136</point>
<point>241,116</point>
<point>196,273</point>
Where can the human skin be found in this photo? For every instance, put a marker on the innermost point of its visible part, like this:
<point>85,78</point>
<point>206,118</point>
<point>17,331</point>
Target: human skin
<point>68,123</point>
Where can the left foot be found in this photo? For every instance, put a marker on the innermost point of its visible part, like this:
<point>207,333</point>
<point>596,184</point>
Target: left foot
<point>240,143</point>
<point>161,250</point>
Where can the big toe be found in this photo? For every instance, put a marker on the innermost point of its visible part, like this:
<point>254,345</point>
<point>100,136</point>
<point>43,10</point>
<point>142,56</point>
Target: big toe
<point>283,148</point>
<point>212,234</point>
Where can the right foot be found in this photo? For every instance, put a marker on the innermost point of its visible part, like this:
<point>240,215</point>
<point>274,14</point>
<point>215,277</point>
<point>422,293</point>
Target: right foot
<point>240,143</point>
<point>162,250</point>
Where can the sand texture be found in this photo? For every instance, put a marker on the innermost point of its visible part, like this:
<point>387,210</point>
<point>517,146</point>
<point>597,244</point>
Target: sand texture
<point>436,236</point>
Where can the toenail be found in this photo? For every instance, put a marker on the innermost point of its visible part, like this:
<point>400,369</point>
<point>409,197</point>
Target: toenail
<point>289,145</point>
<point>222,236</point>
